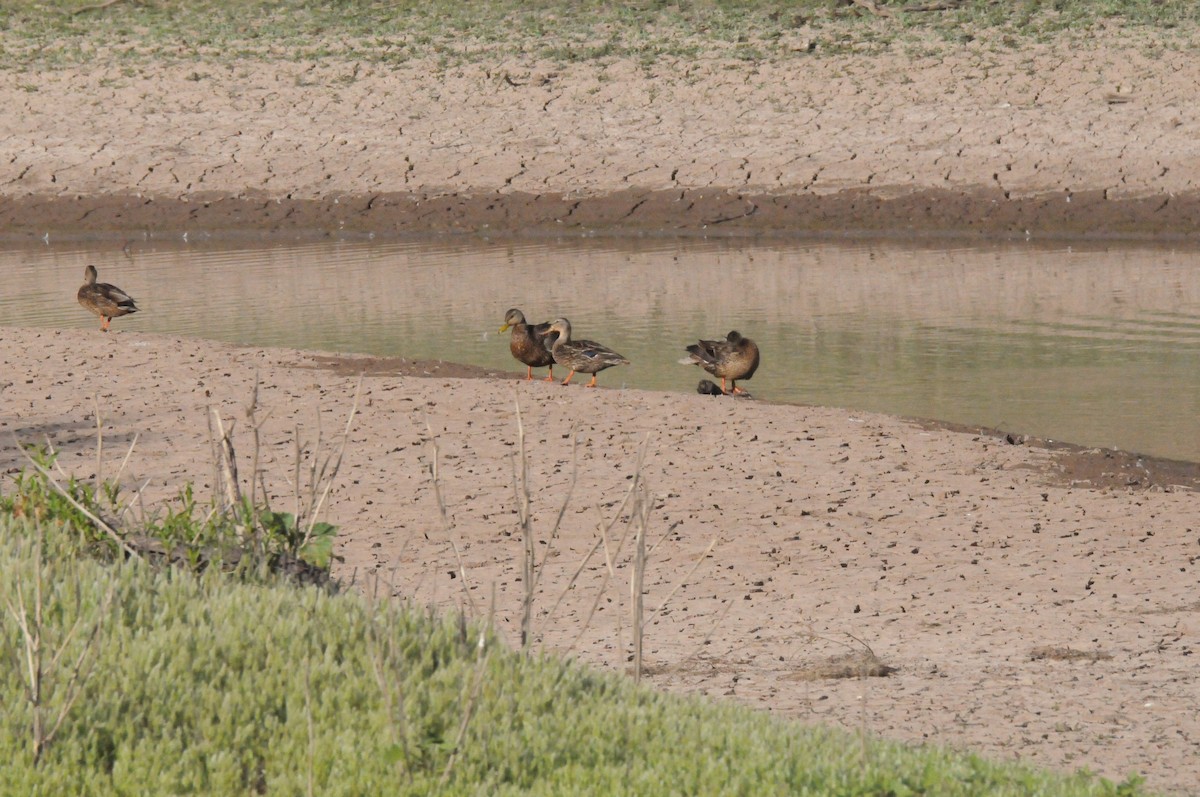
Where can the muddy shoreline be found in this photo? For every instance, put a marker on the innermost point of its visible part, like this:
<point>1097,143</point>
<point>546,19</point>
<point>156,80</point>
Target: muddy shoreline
<point>928,213</point>
<point>1068,464</point>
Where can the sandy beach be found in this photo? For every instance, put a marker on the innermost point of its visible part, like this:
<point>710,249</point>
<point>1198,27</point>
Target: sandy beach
<point>1033,602</point>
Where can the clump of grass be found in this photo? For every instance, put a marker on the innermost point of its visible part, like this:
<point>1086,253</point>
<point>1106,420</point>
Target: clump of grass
<point>183,532</point>
<point>236,530</point>
<point>202,684</point>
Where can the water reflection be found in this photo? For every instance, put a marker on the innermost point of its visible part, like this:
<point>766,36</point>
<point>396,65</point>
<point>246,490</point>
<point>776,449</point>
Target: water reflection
<point>1099,345</point>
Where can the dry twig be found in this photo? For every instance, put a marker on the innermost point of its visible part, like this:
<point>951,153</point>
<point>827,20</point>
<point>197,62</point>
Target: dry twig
<point>102,6</point>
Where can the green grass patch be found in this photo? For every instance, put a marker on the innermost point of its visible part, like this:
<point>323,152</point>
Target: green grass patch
<point>122,678</point>
<point>42,33</point>
<point>97,521</point>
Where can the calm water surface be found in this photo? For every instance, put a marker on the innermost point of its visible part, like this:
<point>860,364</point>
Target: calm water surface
<point>1096,345</point>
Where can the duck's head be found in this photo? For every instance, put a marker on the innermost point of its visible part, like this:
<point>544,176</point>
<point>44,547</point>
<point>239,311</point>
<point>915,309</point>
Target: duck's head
<point>561,326</point>
<point>512,318</point>
<point>89,275</point>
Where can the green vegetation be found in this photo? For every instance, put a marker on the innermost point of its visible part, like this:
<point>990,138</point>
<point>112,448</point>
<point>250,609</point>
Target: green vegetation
<point>40,33</point>
<point>236,535</point>
<point>159,681</point>
<point>128,673</point>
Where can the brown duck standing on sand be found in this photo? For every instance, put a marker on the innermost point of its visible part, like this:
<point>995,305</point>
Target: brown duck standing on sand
<point>734,358</point>
<point>529,343</point>
<point>106,301</point>
<point>586,356</point>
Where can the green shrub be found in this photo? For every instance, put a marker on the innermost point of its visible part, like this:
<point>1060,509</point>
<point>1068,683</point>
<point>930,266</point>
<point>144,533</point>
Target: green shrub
<point>200,684</point>
<point>183,532</point>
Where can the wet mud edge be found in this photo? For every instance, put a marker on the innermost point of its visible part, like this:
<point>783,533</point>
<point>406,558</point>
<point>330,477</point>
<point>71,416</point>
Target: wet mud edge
<point>1070,465</point>
<point>713,211</point>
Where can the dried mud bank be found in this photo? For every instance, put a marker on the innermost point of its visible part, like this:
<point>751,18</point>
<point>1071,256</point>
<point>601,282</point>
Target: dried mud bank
<point>1098,139</point>
<point>1025,602</point>
<point>983,213</point>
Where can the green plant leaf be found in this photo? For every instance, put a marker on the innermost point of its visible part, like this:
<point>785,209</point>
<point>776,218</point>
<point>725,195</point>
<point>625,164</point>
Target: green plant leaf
<point>318,550</point>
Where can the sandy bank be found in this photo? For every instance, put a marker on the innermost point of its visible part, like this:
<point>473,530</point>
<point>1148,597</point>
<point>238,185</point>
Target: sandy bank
<point>959,558</point>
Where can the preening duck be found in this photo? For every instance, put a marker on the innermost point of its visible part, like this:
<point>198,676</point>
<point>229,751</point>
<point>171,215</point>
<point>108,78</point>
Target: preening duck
<point>734,358</point>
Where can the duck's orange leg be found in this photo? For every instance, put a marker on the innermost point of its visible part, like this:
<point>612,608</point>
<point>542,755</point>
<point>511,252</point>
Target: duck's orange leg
<point>549,375</point>
<point>104,320</point>
<point>592,383</point>
<point>568,379</point>
<point>529,373</point>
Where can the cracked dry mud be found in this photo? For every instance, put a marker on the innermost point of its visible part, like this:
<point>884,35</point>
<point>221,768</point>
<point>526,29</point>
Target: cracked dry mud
<point>1100,140</point>
<point>959,558</point>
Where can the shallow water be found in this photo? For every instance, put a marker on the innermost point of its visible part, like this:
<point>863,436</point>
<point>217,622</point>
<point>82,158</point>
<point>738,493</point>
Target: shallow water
<point>1098,345</point>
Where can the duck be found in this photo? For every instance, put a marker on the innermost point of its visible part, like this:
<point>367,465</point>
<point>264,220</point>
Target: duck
<point>529,343</point>
<point>106,301</point>
<point>732,359</point>
<point>585,356</point>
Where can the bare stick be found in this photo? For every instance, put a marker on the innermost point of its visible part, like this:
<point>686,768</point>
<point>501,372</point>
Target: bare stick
<point>255,426</point>
<point>529,557</point>
<point>380,639</point>
<point>117,538</point>
<point>312,472</point>
<point>873,7</point>
<point>562,510</point>
<point>53,457</point>
<point>949,5</point>
<point>462,572</point>
<point>570,585</point>
<point>296,483</point>
<point>227,462</point>
<point>685,579</point>
<point>637,584</point>
<point>716,624</point>
<point>99,444</point>
<point>610,556</point>
<point>101,6</point>
<point>37,670</point>
<point>637,479</point>
<point>308,714</point>
<point>128,454</point>
<point>664,536</point>
<point>78,672</point>
<point>609,574</point>
<point>531,571</point>
<point>337,465</point>
<point>445,514</point>
<point>469,709</point>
